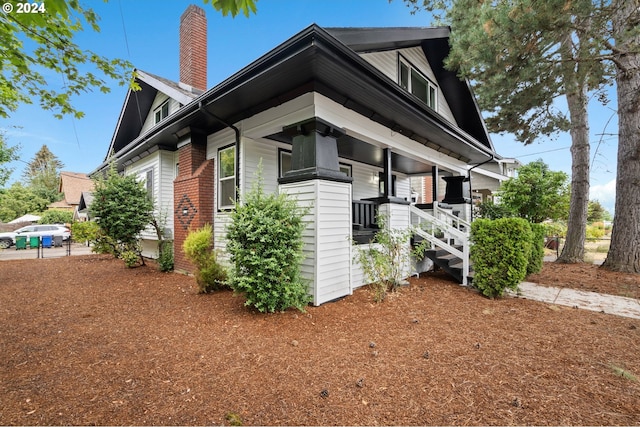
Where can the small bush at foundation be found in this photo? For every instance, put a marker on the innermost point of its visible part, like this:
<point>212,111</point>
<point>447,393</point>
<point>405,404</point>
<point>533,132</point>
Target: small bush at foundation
<point>385,262</point>
<point>165,257</point>
<point>198,248</point>
<point>265,244</point>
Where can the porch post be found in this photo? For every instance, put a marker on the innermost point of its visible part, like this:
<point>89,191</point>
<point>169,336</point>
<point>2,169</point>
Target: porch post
<point>315,180</point>
<point>388,175</point>
<point>434,183</point>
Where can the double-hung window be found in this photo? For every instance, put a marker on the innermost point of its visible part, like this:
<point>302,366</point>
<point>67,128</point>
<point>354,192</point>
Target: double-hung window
<point>226,177</point>
<point>161,112</point>
<point>415,82</point>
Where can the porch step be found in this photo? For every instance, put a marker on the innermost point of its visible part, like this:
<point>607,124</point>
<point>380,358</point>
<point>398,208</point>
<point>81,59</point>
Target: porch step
<point>449,263</point>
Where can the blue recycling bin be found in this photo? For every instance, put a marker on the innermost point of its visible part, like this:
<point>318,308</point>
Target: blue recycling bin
<point>47,241</point>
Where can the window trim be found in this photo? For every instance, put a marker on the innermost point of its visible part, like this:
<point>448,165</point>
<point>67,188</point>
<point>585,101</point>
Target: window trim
<point>158,110</point>
<point>226,207</point>
<point>381,184</point>
<point>402,60</point>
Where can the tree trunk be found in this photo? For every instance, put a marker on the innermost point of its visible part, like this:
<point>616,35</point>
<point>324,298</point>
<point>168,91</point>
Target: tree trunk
<point>577,101</point>
<point>573,250</point>
<point>624,253</point>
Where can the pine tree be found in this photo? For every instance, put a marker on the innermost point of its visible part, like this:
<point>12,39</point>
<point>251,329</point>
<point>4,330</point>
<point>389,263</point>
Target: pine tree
<point>523,55</point>
<point>42,174</point>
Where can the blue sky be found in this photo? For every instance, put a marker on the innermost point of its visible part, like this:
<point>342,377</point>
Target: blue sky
<point>146,33</point>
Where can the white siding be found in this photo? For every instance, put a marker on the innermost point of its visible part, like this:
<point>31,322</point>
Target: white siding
<point>366,179</point>
<point>387,62</point>
<point>220,218</point>
<point>149,122</point>
<point>162,163</point>
<point>398,218</point>
<point>254,152</point>
<point>327,237</point>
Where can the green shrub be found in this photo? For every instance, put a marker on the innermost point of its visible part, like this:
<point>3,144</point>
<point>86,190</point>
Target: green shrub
<point>198,248</point>
<point>265,243</point>
<point>130,258</point>
<point>85,231</point>
<point>500,254</point>
<point>537,249</point>
<point>491,210</point>
<point>558,229</point>
<point>594,232</point>
<point>52,216</point>
<point>385,261</point>
<point>165,257</point>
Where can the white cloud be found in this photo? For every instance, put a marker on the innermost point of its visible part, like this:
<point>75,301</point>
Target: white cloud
<point>605,194</point>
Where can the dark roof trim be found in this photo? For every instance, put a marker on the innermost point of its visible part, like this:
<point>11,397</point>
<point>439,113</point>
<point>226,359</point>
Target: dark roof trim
<point>312,60</point>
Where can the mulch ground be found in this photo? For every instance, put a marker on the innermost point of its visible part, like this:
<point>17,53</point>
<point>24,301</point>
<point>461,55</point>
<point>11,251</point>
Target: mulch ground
<point>86,341</point>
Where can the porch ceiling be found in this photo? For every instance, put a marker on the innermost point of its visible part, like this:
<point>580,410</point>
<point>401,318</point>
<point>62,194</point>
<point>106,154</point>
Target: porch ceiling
<point>359,151</point>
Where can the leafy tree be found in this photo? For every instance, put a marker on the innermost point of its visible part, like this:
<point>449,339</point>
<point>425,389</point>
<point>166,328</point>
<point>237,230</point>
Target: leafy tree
<point>53,216</point>
<point>523,55</point>
<point>597,212</point>
<point>52,32</point>
<point>122,209</point>
<point>7,155</point>
<point>492,210</point>
<point>234,6</point>
<point>537,193</point>
<point>25,69</point>
<point>18,200</point>
<point>42,174</point>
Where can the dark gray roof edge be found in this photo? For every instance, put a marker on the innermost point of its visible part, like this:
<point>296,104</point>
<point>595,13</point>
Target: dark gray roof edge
<point>278,54</point>
<point>371,39</point>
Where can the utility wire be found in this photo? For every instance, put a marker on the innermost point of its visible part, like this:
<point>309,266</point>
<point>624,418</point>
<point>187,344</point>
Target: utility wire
<point>126,42</point>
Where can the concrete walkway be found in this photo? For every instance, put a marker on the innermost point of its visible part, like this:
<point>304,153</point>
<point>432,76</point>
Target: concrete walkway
<point>620,306</point>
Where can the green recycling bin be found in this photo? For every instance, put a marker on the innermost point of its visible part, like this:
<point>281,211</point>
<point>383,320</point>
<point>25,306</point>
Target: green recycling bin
<point>34,241</point>
<point>21,242</point>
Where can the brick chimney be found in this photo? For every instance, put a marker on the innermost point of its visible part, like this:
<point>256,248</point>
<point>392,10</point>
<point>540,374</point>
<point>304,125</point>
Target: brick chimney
<point>193,48</point>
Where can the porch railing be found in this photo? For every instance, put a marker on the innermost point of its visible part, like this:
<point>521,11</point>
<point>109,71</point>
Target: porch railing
<point>439,230</point>
<point>451,219</point>
<point>364,213</point>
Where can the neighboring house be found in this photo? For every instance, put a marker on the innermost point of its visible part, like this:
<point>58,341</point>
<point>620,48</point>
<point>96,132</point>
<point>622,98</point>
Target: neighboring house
<point>84,213</point>
<point>341,118</point>
<point>72,184</point>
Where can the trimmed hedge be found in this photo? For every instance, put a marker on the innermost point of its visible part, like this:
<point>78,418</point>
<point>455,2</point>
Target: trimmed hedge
<point>537,248</point>
<point>501,253</point>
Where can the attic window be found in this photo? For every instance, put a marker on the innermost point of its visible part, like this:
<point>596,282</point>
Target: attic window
<point>415,82</point>
<point>162,111</point>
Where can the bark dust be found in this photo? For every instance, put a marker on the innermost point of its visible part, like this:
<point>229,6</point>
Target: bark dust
<point>86,341</point>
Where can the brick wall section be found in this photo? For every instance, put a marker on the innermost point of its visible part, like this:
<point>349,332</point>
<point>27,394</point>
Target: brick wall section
<point>192,196</point>
<point>193,47</point>
<point>427,189</point>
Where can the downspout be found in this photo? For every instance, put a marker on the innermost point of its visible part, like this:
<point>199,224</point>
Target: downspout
<point>469,179</point>
<point>202,108</point>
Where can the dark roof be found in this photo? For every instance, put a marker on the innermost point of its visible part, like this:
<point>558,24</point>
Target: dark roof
<point>86,198</point>
<point>138,103</point>
<point>434,42</point>
<point>316,60</point>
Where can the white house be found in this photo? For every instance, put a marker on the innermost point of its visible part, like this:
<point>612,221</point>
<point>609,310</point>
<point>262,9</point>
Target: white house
<point>342,118</point>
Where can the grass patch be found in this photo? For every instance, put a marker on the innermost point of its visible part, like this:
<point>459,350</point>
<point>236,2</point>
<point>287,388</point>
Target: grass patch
<point>621,372</point>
